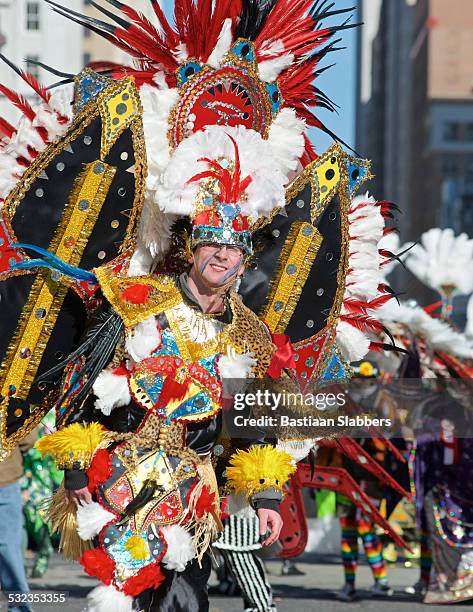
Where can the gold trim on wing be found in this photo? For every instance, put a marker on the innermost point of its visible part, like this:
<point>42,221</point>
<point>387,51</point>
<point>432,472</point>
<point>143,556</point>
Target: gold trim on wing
<point>47,295</point>
<point>295,262</point>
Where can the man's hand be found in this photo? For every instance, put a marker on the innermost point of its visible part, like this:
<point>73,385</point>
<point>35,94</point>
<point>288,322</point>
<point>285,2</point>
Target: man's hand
<point>79,496</point>
<point>272,520</point>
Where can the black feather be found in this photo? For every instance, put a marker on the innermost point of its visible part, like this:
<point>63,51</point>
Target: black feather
<point>121,22</point>
<point>96,347</point>
<point>58,73</point>
<point>253,16</point>
<point>88,22</point>
<point>147,493</point>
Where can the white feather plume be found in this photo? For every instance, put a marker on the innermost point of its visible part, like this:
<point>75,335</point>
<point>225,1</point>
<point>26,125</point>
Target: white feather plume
<point>234,368</point>
<point>443,260</point>
<point>142,339</point>
<point>108,599</point>
<point>91,519</point>
<point>266,191</point>
<point>180,548</point>
<point>297,449</point>
<point>111,390</point>
<point>269,70</point>
<point>141,262</point>
<point>439,334</point>
<point>223,45</point>
<point>26,134</point>
<point>154,230</point>
<point>236,365</point>
<point>286,139</point>
<point>181,53</point>
<point>352,342</point>
<point>272,48</point>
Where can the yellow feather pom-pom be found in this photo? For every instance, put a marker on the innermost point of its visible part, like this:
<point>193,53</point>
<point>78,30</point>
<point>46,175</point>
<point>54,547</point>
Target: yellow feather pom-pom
<point>74,443</point>
<point>137,548</point>
<point>259,468</point>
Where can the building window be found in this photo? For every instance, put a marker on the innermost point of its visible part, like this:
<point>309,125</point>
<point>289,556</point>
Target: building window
<point>469,132</point>
<point>31,66</point>
<point>32,16</point>
<point>450,167</point>
<point>451,131</point>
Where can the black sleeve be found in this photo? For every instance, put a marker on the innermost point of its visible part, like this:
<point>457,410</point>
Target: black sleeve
<point>95,351</point>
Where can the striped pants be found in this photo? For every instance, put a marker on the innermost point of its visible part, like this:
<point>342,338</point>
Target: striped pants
<point>351,529</point>
<point>250,574</point>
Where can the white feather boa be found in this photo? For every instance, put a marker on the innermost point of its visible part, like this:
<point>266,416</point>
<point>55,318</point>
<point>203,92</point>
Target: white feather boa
<point>155,227</point>
<point>91,519</point>
<point>108,599</point>
<point>111,390</point>
<point>438,334</point>
<point>366,227</point>
<point>180,548</point>
<point>142,339</point>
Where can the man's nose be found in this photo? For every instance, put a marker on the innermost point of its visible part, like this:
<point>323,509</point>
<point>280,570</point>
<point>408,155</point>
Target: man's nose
<point>222,253</point>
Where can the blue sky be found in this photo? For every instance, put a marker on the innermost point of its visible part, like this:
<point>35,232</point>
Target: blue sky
<point>338,83</point>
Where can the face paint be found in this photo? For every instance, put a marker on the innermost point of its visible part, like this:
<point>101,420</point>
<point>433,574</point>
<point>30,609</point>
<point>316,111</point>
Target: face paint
<point>209,257</point>
<point>232,272</point>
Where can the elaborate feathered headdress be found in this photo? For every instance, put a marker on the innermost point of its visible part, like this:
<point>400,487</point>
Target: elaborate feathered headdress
<point>245,68</point>
<point>218,216</point>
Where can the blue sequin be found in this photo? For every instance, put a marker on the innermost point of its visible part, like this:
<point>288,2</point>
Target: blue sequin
<point>200,404</point>
<point>336,369</point>
<point>244,49</point>
<point>357,172</point>
<point>88,86</point>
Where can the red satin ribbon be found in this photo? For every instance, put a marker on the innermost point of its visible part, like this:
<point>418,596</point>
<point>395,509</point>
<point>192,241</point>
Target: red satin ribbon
<point>283,358</point>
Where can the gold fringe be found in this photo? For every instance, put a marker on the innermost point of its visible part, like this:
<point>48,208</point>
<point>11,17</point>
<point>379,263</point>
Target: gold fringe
<point>63,517</point>
<point>209,526</point>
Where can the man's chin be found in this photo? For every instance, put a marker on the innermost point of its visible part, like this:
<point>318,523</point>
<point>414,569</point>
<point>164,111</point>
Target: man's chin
<point>216,282</point>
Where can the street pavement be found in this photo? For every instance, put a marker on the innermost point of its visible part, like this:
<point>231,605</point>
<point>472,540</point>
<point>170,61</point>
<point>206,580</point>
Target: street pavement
<point>313,591</point>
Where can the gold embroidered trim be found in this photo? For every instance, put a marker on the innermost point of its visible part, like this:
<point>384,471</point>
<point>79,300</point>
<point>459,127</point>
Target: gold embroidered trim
<point>295,262</point>
<point>164,294</point>
<point>68,243</point>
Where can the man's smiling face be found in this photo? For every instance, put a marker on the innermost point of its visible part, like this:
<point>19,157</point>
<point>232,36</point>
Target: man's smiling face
<point>218,264</point>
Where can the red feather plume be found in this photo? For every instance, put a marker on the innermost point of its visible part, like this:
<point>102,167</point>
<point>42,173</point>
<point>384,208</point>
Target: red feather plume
<point>35,85</point>
<point>19,101</point>
<point>6,128</point>
<point>231,185</point>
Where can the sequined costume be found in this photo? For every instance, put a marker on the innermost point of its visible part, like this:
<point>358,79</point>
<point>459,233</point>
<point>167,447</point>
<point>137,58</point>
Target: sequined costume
<point>154,478</point>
